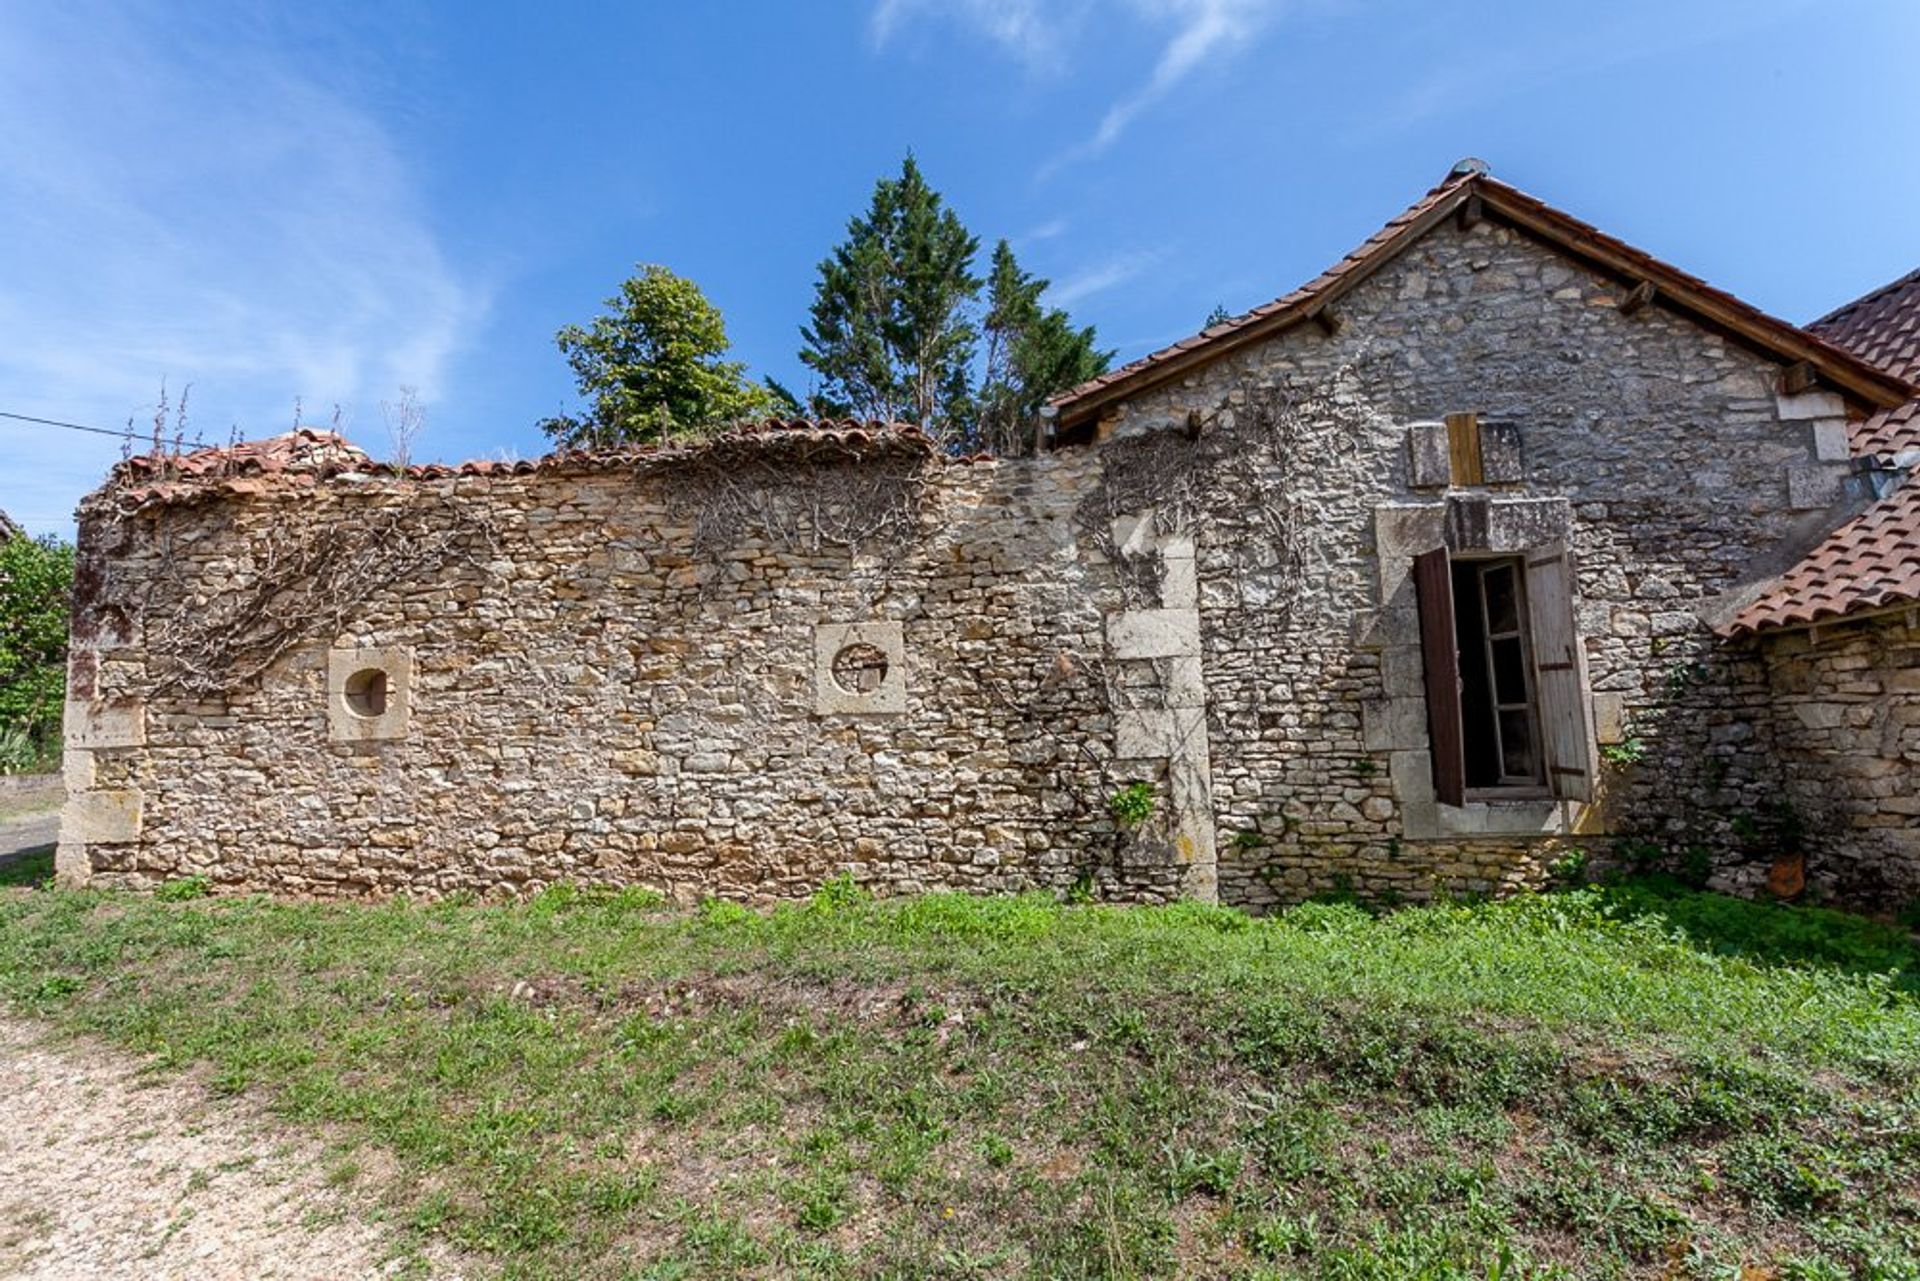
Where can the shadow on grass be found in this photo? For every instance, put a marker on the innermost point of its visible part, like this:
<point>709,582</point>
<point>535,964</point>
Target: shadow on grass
<point>29,868</point>
<point>1774,933</point>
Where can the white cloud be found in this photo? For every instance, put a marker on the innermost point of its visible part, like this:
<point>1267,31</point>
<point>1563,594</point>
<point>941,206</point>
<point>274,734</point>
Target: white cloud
<point>1203,30</point>
<point>1041,32</point>
<point>190,203</point>
<point>1033,31</point>
<point>1098,278</point>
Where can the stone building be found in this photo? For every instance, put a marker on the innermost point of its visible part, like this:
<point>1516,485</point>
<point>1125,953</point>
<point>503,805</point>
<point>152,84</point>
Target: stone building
<point>1461,563</point>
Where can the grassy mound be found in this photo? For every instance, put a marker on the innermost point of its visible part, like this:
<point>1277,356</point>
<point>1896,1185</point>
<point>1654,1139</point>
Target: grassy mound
<point>1629,1082</point>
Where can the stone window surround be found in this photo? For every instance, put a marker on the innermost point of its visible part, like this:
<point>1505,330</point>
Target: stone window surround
<point>1476,523</point>
<point>889,698</point>
<point>345,724</point>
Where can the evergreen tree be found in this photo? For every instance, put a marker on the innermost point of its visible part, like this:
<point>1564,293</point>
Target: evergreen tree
<point>1033,353</point>
<point>892,336</point>
<point>1218,316</point>
<point>653,367</point>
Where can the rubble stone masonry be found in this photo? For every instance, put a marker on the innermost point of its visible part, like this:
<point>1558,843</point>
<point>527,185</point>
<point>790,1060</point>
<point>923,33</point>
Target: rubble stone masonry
<point>742,679</point>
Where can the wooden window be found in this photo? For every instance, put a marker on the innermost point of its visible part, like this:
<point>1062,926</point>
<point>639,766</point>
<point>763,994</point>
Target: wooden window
<point>1463,449</point>
<point>1500,721</point>
<point>1506,691</point>
<point>1440,654</point>
<point>1566,720</point>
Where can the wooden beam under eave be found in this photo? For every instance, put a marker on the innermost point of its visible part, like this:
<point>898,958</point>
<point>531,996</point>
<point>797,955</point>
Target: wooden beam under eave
<point>1638,297</point>
<point>1330,321</point>
<point>1472,210</point>
<point>1798,377</point>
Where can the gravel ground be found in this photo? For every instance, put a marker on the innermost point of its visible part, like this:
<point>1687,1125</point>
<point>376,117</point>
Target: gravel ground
<point>108,1173</point>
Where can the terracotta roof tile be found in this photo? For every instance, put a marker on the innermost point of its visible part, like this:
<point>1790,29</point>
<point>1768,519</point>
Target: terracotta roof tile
<point>305,458</point>
<point>1882,327</point>
<point>1867,382</point>
<point>1870,562</point>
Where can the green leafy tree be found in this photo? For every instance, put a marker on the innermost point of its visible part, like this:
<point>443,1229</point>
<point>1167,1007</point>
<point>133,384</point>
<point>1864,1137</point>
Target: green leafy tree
<point>653,367</point>
<point>892,334</point>
<point>897,326</point>
<point>1218,316</point>
<point>1033,352</point>
<point>36,584</point>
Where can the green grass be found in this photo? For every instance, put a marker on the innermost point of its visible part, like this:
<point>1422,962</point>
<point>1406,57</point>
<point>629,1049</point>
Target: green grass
<point>1625,1082</point>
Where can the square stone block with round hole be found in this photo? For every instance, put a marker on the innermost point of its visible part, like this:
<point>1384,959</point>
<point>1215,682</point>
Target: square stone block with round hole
<point>859,669</point>
<point>369,694</point>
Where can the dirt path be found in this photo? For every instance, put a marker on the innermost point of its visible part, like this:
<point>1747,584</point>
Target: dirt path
<point>29,816</point>
<point>105,1173</point>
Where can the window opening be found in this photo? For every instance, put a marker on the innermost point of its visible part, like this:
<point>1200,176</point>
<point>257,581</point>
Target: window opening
<point>1499,708</point>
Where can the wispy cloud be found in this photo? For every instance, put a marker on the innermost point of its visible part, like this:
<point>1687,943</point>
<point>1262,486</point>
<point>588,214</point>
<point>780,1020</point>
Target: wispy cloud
<point>1052,229</point>
<point>1040,33</point>
<point>1203,30</point>
<point>1098,278</point>
<point>192,203</point>
<point>1033,31</point>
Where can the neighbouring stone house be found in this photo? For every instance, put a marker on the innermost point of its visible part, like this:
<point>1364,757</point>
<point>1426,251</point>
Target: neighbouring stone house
<point>1498,543</point>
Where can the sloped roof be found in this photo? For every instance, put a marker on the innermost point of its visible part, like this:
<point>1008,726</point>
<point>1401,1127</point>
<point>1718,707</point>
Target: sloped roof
<point>1873,560</point>
<point>307,458</point>
<point>1470,188</point>
<point>7,528</point>
<point>1870,562</point>
<point>1882,327</point>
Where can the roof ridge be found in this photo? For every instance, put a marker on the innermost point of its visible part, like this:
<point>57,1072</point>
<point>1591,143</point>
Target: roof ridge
<point>1872,295</point>
<point>1864,382</point>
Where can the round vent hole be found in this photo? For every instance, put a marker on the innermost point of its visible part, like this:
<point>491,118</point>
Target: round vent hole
<point>859,669</point>
<point>367,692</point>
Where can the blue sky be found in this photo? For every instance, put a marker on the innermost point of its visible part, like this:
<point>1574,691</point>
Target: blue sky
<point>327,202</point>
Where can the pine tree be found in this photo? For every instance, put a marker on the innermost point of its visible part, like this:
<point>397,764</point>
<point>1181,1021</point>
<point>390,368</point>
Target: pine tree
<point>653,367</point>
<point>1033,353</point>
<point>892,336</point>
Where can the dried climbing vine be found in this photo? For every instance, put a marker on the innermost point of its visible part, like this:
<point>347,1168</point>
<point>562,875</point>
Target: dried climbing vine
<point>868,507</point>
<point>299,580</point>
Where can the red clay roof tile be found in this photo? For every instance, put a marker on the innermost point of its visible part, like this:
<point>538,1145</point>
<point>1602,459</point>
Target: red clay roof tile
<point>1870,562</point>
<point>305,457</point>
<point>1882,327</point>
<point>1866,382</point>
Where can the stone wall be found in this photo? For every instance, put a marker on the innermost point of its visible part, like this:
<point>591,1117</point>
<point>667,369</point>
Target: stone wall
<point>1849,740</point>
<point>629,671</point>
<point>587,686</point>
<point>1659,452</point>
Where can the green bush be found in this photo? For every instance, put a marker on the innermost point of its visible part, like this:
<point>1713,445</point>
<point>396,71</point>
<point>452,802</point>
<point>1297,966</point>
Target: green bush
<point>36,582</point>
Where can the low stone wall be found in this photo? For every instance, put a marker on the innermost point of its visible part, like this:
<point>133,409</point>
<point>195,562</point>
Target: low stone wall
<point>1849,736</point>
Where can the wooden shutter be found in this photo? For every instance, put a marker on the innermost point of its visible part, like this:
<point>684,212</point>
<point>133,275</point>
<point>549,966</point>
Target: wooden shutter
<point>1558,662</point>
<point>1440,656</point>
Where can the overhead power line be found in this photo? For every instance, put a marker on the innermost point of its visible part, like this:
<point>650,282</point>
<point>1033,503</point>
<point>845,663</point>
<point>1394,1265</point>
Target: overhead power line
<point>55,422</point>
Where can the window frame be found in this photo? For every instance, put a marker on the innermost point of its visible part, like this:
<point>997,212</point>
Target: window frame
<point>1509,786</point>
